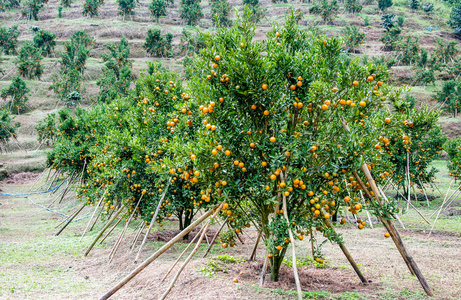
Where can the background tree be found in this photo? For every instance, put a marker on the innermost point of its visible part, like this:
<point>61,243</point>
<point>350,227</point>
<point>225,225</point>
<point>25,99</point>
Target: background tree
<point>414,4</point>
<point>126,7</point>
<point>257,12</point>
<point>391,37</point>
<point>450,96</point>
<point>9,4</point>
<point>90,8</point>
<point>76,51</point>
<point>32,8</point>
<point>17,91</point>
<point>158,8</point>
<point>66,3</point>
<point>9,39</point>
<point>7,128</point>
<point>46,41</point>
<point>326,9</point>
<point>384,4</point>
<point>453,148</point>
<point>28,61</point>
<point>158,45</point>
<point>67,82</point>
<point>354,37</point>
<point>116,77</point>
<point>191,11</point>
<point>354,6</point>
<point>220,13</point>
<point>455,19</point>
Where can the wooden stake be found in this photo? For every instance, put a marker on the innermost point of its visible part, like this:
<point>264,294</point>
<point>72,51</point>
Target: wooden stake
<point>152,222</point>
<point>136,236</point>
<point>92,216</point>
<point>70,220</point>
<point>181,255</point>
<point>204,230</point>
<point>214,238</point>
<point>263,271</point>
<point>154,256</point>
<point>104,229</point>
<point>397,239</point>
<point>110,231</point>
<point>294,261</point>
<point>253,254</point>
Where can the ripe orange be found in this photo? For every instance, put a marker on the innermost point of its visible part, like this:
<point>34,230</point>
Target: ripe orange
<point>214,151</point>
<point>253,106</point>
<point>279,248</point>
<point>227,152</point>
<point>277,34</point>
<point>342,101</point>
<point>225,206</point>
<point>355,83</point>
<point>287,154</point>
<point>387,120</point>
<point>299,83</point>
<point>272,139</point>
<point>217,57</point>
<point>370,78</point>
<point>252,145</point>
<point>362,103</point>
<point>235,280</point>
<point>380,83</point>
<point>387,234</point>
<point>273,177</point>
<point>264,86</point>
<point>292,87</point>
<point>335,90</point>
<point>264,163</point>
<point>270,255</point>
<point>324,107</point>
<point>266,112</point>
<point>224,245</point>
<point>221,100</point>
<point>326,216</point>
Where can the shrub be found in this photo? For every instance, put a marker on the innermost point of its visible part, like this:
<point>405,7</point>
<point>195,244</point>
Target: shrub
<point>7,128</point>
<point>384,4</point>
<point>158,8</point>
<point>388,21</point>
<point>191,11</point>
<point>453,148</point>
<point>391,38</point>
<point>45,40</point>
<point>220,13</point>
<point>400,21</point>
<point>126,7</point>
<point>414,4</point>
<point>455,19</point>
<point>354,6</point>
<point>354,37</point>
<point>445,51</point>
<point>60,12</point>
<point>450,96</point>
<point>158,45</point>
<point>424,75</point>
<point>65,82</point>
<point>28,61</point>
<point>366,21</point>
<point>8,4</point>
<point>9,39</point>
<point>90,8</point>
<point>76,51</point>
<point>326,9</point>
<point>17,91</point>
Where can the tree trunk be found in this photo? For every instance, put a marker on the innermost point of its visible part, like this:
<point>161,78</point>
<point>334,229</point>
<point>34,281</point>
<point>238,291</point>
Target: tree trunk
<point>276,263</point>
<point>188,216</point>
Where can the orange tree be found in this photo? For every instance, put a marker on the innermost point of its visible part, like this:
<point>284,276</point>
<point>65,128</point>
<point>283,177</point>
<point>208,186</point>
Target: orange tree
<point>283,122</point>
<point>453,148</point>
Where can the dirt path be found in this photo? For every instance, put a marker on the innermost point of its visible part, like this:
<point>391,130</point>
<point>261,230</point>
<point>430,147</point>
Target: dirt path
<point>35,264</point>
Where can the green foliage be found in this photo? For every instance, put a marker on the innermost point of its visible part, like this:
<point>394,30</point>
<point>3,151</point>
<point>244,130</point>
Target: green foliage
<point>382,60</point>
<point>158,8</point>
<point>353,37</point>
<point>31,9</point>
<point>28,61</point>
<point>190,43</point>
<point>9,39</point>
<point>46,41</point>
<point>220,13</point>
<point>428,8</point>
<point>388,21</point>
<point>391,38</point>
<point>450,96</point>
<point>126,7</point>
<point>9,4</point>
<point>455,19</point>
<point>7,129</point>
<point>453,148</point>
<point>408,50</point>
<point>60,12</point>
<point>191,11</point>
<point>327,9</point>
<point>424,75</point>
<point>366,21</point>
<point>257,12</point>
<point>90,8</point>
<point>66,3</point>
<point>414,4</point>
<point>400,21</point>
<point>384,4</point>
<point>65,82</point>
<point>17,91</point>
<point>354,6</point>
<point>116,77</point>
<point>76,51</point>
<point>445,51</point>
<point>158,45</point>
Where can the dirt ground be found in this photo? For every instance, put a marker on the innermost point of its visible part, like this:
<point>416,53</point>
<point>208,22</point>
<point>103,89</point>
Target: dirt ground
<point>35,264</point>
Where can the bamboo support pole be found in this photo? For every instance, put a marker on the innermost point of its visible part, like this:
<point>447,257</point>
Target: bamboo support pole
<point>70,220</point>
<point>104,229</point>
<point>440,210</point>
<point>154,256</point>
<point>110,231</point>
<point>263,271</point>
<point>253,253</point>
<point>152,222</point>
<point>214,238</point>
<point>294,261</point>
<point>92,216</point>
<point>136,236</point>
<point>182,254</point>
